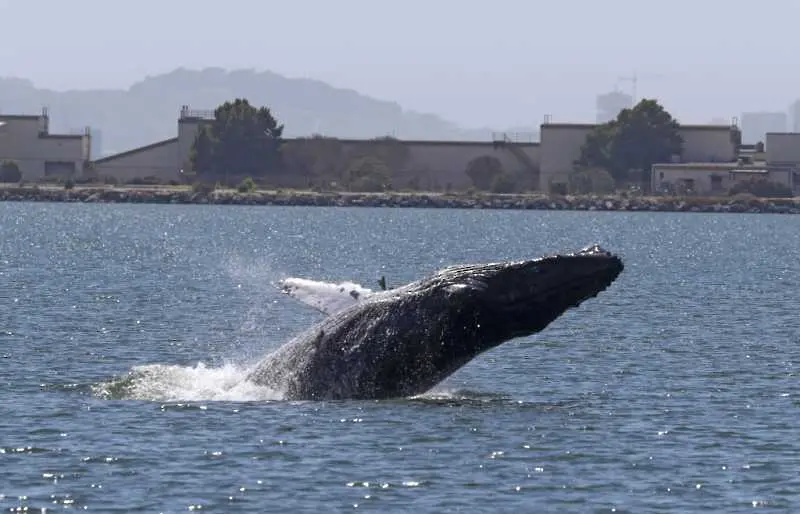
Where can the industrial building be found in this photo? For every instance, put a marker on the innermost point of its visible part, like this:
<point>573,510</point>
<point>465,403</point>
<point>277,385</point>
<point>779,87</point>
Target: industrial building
<point>561,146</point>
<point>432,164</point>
<point>438,163</point>
<point>779,162</point>
<point>545,164</point>
<point>27,141</point>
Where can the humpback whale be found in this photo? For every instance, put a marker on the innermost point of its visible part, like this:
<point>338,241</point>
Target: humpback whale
<point>401,342</point>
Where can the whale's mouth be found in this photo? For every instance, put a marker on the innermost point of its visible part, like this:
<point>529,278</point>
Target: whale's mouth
<point>592,271</point>
<point>575,291</point>
<point>524,297</point>
<point>562,278</point>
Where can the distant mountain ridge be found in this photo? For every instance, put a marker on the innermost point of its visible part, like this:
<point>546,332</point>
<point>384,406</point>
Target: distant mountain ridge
<point>148,110</point>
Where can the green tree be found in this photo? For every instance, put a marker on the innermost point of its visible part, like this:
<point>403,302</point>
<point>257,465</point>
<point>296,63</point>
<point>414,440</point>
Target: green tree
<point>504,183</point>
<point>240,140</point>
<point>316,158</point>
<point>590,180</point>
<point>639,137</point>
<point>368,174</point>
<point>247,186</point>
<point>482,171</point>
<point>389,150</point>
<point>9,172</point>
<point>762,188</point>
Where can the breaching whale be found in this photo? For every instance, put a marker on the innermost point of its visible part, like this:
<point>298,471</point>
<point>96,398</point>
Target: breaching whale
<point>402,342</point>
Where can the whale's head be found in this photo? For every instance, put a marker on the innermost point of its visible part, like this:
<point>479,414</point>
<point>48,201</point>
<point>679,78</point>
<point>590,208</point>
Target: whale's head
<point>501,301</point>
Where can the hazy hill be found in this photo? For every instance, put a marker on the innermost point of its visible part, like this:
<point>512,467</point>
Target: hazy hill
<point>148,110</point>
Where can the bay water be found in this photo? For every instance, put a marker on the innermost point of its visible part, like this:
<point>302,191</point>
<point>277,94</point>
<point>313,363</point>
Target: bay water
<point>126,332</point>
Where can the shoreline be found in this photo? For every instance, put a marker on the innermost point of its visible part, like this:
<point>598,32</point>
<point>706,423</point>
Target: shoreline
<point>530,201</point>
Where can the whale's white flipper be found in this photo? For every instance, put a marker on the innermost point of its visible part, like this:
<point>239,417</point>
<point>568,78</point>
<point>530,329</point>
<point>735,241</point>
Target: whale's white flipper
<point>326,297</point>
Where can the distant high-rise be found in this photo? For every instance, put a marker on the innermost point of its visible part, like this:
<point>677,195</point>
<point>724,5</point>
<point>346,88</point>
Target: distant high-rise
<point>610,104</point>
<point>755,125</point>
<point>794,110</point>
<point>97,143</point>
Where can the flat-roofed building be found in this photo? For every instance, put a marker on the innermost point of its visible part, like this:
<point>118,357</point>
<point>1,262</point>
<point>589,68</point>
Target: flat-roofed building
<point>26,140</point>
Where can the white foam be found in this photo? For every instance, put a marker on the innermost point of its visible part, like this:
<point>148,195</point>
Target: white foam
<point>173,383</point>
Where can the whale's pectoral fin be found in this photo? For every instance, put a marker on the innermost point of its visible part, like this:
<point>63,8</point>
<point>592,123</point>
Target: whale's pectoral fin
<point>326,297</point>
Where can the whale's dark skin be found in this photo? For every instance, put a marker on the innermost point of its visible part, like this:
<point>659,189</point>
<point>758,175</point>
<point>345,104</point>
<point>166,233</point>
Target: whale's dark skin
<point>404,341</point>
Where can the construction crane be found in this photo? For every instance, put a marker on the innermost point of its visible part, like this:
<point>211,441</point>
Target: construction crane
<point>634,80</point>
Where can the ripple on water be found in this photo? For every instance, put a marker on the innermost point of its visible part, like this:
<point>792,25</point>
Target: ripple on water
<point>673,391</point>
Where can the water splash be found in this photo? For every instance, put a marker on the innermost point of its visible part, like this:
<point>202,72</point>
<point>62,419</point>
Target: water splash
<point>170,383</point>
<point>175,383</point>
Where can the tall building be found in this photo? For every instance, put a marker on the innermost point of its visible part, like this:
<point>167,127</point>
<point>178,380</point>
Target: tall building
<point>97,143</point>
<point>610,104</point>
<point>794,111</point>
<point>755,125</point>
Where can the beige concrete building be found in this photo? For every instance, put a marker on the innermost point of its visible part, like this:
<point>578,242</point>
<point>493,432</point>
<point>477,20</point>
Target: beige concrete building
<point>783,148</point>
<point>160,159</point>
<point>710,143</point>
<point>431,164</point>
<point>166,160</point>
<point>439,165</point>
<point>561,145</point>
<point>442,164</point>
<point>714,178</point>
<point>27,141</point>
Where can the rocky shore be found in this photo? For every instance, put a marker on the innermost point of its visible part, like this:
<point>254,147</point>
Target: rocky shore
<point>179,195</point>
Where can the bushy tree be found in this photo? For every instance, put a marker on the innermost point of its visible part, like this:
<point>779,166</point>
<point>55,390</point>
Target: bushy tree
<point>762,188</point>
<point>389,150</point>
<point>368,174</point>
<point>482,171</point>
<point>240,140</point>
<point>504,183</point>
<point>638,138</point>
<point>247,186</point>
<point>590,180</point>
<point>315,158</point>
<point>10,172</point>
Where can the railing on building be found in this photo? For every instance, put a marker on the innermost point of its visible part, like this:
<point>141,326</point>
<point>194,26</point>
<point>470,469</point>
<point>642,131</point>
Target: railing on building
<point>512,141</point>
<point>44,122</point>
<point>514,137</point>
<point>202,114</point>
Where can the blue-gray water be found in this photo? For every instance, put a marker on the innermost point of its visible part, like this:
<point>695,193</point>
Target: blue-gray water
<point>674,390</point>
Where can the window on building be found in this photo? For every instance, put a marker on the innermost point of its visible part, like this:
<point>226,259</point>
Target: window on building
<point>686,186</point>
<point>716,183</point>
<point>59,168</point>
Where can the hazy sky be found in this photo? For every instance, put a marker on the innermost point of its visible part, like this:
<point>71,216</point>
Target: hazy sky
<point>478,63</point>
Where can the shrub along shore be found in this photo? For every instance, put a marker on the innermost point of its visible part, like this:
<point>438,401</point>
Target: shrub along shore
<point>742,203</point>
